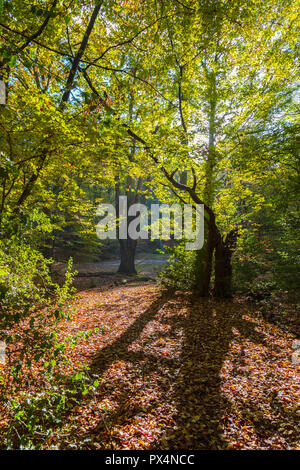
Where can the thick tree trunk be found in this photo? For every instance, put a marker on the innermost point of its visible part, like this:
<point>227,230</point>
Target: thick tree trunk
<point>223,267</point>
<point>223,272</point>
<point>127,246</point>
<point>205,262</point>
<point>127,255</point>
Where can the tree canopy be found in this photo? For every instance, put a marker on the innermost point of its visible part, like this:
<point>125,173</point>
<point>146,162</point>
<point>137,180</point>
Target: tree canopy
<point>165,101</point>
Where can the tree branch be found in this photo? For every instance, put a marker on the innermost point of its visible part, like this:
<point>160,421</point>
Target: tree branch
<point>40,30</point>
<point>169,176</point>
<point>81,50</point>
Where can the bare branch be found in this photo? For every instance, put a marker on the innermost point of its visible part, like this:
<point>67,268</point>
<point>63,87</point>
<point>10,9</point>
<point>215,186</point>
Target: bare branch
<point>194,178</point>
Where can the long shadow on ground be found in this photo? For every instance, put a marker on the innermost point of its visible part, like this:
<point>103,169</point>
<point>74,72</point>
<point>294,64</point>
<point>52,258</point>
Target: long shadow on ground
<point>118,350</point>
<point>187,403</point>
<point>209,327</point>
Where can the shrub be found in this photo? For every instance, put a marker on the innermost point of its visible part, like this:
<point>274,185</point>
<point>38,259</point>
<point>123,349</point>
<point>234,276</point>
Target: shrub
<point>180,272</point>
<point>37,388</point>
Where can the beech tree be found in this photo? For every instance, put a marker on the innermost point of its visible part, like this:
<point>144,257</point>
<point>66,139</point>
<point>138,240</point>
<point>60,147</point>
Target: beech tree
<point>199,74</point>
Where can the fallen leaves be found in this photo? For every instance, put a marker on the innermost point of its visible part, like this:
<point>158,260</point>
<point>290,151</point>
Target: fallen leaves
<point>182,373</point>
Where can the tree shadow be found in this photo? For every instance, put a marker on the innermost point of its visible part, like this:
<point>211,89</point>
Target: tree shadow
<point>275,424</point>
<point>209,327</point>
<point>189,381</point>
<point>118,350</point>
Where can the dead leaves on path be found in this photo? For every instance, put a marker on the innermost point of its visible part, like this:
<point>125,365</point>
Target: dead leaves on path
<point>183,373</point>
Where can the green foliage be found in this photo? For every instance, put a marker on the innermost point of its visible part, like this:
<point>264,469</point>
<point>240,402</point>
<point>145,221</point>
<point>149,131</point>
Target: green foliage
<point>37,417</point>
<point>201,90</point>
<point>32,306</point>
<point>180,272</point>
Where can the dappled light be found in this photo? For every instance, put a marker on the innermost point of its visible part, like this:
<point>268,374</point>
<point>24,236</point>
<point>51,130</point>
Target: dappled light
<point>149,228</point>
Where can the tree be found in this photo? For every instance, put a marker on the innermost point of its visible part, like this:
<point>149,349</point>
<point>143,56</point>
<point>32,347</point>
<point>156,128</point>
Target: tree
<point>200,75</point>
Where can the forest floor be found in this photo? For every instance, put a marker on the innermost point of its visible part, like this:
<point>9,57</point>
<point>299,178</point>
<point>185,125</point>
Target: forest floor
<point>179,372</point>
<point>101,273</point>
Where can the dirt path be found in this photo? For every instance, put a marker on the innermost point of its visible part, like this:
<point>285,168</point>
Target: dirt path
<point>90,275</point>
<point>179,372</point>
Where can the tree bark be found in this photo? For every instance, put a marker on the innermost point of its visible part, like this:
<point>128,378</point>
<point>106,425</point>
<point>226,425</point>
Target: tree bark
<point>127,246</point>
<point>205,282</point>
<point>127,256</point>
<point>223,267</point>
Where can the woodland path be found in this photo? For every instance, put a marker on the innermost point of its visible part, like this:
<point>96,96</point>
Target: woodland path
<point>105,272</point>
<point>182,372</point>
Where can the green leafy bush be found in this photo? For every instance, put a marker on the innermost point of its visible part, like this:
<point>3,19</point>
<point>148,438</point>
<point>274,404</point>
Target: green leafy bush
<point>180,273</point>
<point>37,387</point>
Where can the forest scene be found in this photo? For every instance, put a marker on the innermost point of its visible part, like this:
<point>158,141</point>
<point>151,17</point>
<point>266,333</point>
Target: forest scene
<point>149,225</point>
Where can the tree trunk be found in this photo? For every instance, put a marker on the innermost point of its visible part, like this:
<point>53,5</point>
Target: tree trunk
<point>127,246</point>
<point>203,264</point>
<point>223,272</point>
<point>127,255</point>
<point>223,267</point>
<point>204,292</point>
<point>208,194</point>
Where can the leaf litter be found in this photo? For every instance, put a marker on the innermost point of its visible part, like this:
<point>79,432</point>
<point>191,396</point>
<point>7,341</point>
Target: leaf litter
<point>181,372</point>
